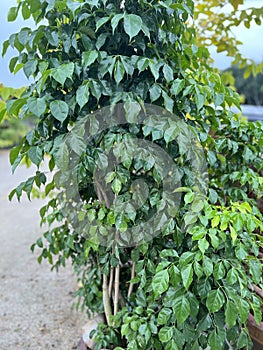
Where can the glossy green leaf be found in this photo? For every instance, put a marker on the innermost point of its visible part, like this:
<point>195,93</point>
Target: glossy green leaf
<point>59,110</point>
<point>165,334</point>
<point>207,266</point>
<point>255,268</point>
<point>171,345</point>
<point>14,154</point>
<point>164,316</point>
<point>115,21</point>
<point>132,25</point>
<point>181,308</point>
<point>215,300</point>
<point>77,143</point>
<point>231,313</point>
<point>177,86</point>
<point>203,245</point>
<point>89,57</point>
<point>243,309</point>
<point>219,271</point>
<point>101,22</point>
<point>175,275</point>
<point>25,11</point>
<point>119,72</point>
<point>160,282</point>
<point>116,186</point>
<point>155,92</point>
<point>35,154</point>
<point>82,95</point>
<point>30,68</point>
<point>215,341</point>
<point>63,72</point>
<point>168,73</point>
<point>187,275</point>
<point>36,106</point>
<point>12,14</point>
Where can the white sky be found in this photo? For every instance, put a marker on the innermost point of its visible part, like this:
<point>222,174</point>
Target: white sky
<point>252,43</point>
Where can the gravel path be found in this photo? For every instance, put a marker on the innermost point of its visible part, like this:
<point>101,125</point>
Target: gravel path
<point>35,304</point>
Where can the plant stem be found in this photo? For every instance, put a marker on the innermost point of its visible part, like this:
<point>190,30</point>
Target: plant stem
<point>106,300</point>
<point>111,281</point>
<point>132,277</point>
<point>102,197</point>
<point>116,289</point>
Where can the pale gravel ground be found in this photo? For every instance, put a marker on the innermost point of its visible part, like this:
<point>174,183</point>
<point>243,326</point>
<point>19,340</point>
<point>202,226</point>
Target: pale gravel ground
<point>35,304</point>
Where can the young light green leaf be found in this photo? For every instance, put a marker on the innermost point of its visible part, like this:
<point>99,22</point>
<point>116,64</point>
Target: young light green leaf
<point>197,205</point>
<point>215,221</point>
<point>12,14</point>
<point>110,176</point>
<point>25,11</point>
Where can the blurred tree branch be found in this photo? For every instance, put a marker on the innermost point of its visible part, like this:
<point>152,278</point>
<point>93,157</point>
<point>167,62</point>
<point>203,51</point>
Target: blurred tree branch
<point>215,20</point>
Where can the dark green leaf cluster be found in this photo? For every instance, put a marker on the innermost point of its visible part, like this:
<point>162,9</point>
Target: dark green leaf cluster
<point>192,285</point>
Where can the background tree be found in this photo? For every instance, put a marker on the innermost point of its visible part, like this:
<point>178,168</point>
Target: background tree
<point>251,88</point>
<point>215,20</point>
<point>186,288</point>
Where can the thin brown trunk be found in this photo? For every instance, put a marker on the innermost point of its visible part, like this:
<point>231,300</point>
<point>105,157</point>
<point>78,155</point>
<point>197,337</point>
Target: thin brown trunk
<point>106,300</point>
<point>132,277</point>
<point>116,289</point>
<point>111,281</point>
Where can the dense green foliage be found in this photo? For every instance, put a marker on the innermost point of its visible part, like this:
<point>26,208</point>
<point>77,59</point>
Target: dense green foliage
<point>191,288</point>
<point>251,88</point>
